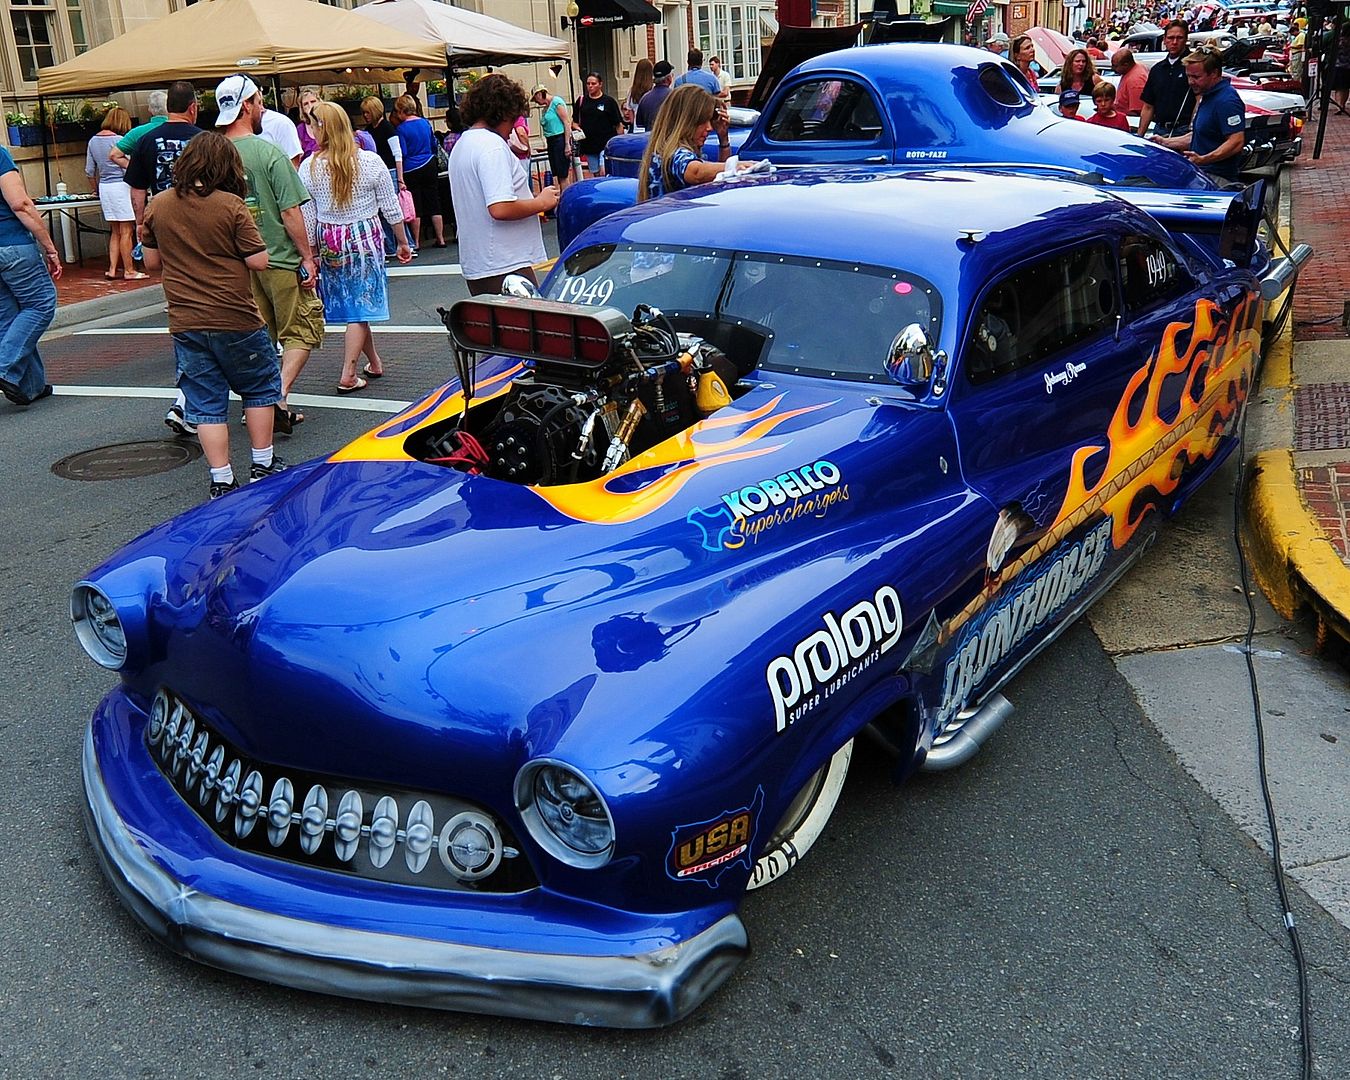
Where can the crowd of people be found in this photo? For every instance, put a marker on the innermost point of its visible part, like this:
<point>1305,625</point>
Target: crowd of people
<point>1184,101</point>
<point>269,227</point>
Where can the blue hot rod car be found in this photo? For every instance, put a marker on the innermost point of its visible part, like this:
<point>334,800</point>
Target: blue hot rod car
<point>905,104</point>
<point>505,705</point>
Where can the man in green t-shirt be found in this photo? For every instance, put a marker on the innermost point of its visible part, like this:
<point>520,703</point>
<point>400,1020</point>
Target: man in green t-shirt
<point>157,101</point>
<point>285,291</point>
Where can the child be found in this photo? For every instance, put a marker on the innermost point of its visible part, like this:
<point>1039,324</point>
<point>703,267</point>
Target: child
<point>1068,105</point>
<point>1104,100</point>
<point>203,235</point>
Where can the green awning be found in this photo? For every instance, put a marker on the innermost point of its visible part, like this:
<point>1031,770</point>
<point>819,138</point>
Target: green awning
<point>945,7</point>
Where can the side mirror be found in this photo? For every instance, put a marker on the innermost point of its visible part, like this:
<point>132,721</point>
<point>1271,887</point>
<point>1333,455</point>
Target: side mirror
<point>518,286</point>
<point>913,360</point>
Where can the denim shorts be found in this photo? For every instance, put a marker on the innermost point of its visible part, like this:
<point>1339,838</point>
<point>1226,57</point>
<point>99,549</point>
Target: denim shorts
<point>211,363</point>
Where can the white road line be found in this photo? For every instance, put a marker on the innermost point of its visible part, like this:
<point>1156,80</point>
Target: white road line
<point>430,270</point>
<point>351,403</point>
<point>150,331</point>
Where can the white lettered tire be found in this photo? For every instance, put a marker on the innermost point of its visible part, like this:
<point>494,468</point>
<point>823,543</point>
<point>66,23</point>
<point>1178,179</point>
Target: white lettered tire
<point>804,820</point>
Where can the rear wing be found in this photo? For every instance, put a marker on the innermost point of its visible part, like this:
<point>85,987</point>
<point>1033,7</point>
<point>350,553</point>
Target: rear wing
<point>1232,216</point>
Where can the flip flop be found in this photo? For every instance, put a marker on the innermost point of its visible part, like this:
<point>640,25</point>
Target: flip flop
<point>137,276</point>
<point>109,275</point>
<point>371,374</point>
<point>360,384</point>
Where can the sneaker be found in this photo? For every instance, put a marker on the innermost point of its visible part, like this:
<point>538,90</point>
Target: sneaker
<point>176,422</point>
<point>262,472</point>
<point>218,489</point>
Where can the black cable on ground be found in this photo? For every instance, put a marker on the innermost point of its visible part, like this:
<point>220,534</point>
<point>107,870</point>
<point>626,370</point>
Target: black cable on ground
<point>1300,963</point>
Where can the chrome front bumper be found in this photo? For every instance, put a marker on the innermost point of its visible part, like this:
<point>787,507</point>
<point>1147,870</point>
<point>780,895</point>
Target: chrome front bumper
<point>641,991</point>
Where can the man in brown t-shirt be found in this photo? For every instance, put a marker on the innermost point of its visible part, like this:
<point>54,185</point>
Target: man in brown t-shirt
<point>204,237</point>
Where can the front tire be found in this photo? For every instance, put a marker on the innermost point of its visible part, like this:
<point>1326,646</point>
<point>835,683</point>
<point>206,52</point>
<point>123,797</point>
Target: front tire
<point>803,821</point>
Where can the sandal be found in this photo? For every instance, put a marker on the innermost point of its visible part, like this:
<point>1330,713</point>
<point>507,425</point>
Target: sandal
<point>135,276</point>
<point>284,419</point>
<point>369,374</point>
<point>109,275</point>
<point>360,384</point>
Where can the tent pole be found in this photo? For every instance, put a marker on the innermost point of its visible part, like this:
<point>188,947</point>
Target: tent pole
<point>46,147</point>
<point>276,93</point>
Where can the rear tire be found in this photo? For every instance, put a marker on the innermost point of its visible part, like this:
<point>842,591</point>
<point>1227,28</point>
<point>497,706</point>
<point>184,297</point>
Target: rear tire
<point>804,820</point>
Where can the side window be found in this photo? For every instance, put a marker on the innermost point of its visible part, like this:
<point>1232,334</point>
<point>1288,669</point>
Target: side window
<point>1040,309</point>
<point>1150,273</point>
<point>832,109</point>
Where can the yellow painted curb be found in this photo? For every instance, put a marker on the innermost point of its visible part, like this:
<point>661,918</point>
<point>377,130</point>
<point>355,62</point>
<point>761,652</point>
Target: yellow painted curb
<point>1293,561</point>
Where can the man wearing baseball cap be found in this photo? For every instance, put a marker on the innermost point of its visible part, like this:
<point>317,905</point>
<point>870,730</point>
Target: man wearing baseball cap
<point>662,74</point>
<point>285,292</point>
<point>998,43</point>
<point>556,126</point>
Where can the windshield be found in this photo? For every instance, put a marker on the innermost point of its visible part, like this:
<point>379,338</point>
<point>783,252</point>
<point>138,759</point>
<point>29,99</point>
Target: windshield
<point>833,319</point>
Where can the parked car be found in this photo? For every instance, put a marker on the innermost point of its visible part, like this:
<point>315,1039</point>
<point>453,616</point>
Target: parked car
<point>913,104</point>
<point>505,706</point>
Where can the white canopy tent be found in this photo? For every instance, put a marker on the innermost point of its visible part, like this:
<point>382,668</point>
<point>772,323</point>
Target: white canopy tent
<point>470,39</point>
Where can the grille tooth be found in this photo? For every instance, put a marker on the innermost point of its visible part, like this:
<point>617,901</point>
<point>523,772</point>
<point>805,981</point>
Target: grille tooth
<point>279,810</point>
<point>420,836</point>
<point>250,801</point>
<point>347,828</point>
<point>313,819</point>
<point>225,790</point>
<point>383,831</point>
<point>196,760</point>
<point>211,774</point>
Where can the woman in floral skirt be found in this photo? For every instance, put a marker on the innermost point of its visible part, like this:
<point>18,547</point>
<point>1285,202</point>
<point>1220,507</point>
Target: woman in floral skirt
<point>350,189</point>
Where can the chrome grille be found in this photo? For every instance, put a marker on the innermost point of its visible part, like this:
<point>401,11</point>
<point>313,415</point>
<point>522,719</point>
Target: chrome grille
<point>347,826</point>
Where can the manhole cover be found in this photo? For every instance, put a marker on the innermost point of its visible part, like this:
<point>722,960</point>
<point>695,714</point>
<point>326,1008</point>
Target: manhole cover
<point>125,461</point>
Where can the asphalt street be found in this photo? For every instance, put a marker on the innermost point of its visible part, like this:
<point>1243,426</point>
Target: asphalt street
<point>1073,903</point>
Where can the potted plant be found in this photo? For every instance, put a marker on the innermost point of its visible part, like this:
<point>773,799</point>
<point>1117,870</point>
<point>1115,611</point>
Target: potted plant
<point>65,121</point>
<point>436,94</point>
<point>23,129</point>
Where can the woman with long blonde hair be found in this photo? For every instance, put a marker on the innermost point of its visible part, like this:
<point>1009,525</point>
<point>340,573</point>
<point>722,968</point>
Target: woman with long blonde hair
<point>113,194</point>
<point>350,188</point>
<point>673,158</point>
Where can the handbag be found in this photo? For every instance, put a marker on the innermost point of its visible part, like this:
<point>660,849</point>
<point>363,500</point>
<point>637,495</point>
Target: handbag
<point>405,203</point>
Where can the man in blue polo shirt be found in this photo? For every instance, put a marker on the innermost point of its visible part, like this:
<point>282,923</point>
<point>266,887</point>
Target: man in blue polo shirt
<point>1218,129</point>
<point>698,76</point>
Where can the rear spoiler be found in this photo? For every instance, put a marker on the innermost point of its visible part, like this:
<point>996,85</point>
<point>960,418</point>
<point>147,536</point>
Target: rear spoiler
<point>1233,216</point>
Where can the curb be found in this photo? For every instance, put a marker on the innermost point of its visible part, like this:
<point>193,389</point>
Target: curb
<point>128,304</point>
<point>1294,563</point>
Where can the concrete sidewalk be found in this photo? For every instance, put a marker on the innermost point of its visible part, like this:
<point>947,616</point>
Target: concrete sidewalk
<point>1298,507</point>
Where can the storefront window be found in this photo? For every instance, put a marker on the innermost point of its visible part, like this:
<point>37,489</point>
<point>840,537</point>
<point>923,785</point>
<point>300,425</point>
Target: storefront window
<point>731,32</point>
<point>79,37</point>
<point>34,36</point>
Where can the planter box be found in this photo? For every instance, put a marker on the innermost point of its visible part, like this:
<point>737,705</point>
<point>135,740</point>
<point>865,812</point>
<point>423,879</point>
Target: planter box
<point>69,131</point>
<point>25,135</point>
<point>436,101</point>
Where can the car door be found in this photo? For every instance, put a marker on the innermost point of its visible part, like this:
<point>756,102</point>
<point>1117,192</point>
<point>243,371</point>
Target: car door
<point>1042,370</point>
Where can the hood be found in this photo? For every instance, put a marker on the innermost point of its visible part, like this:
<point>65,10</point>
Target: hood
<point>427,622</point>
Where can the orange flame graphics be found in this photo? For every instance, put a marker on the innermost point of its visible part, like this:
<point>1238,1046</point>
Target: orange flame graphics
<point>689,451</point>
<point>385,443</point>
<point>1148,456</point>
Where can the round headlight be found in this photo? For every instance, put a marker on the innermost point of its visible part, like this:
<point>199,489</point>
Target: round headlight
<point>564,814</point>
<point>98,627</point>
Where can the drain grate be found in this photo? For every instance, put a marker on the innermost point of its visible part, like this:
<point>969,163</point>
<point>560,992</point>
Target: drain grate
<point>126,461</point>
<point>1322,416</point>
